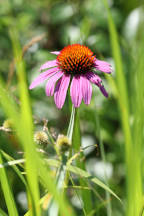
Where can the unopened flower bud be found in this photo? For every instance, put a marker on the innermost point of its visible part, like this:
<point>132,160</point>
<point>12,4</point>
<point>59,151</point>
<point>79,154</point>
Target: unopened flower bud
<point>40,137</point>
<point>8,124</point>
<point>63,143</point>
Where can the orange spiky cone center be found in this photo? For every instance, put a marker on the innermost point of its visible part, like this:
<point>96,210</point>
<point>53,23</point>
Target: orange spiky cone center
<point>75,59</point>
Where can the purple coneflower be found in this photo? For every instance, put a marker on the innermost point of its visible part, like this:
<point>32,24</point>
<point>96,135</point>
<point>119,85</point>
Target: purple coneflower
<point>74,63</point>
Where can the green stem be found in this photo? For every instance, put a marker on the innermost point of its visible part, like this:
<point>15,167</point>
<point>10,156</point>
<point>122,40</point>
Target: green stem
<point>76,144</point>
<point>53,209</point>
<point>102,151</point>
<point>71,124</point>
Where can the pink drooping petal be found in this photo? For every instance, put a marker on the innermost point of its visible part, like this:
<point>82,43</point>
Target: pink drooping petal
<point>103,66</point>
<point>61,91</point>
<point>86,89</point>
<point>48,64</point>
<point>97,81</point>
<point>51,83</point>
<point>76,91</point>
<point>55,52</point>
<point>94,78</point>
<point>43,76</point>
<point>103,90</point>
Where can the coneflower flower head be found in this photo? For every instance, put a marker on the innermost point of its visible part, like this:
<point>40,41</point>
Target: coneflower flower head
<point>74,63</point>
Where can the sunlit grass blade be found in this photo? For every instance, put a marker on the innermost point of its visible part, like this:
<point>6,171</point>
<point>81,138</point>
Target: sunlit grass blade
<point>8,194</point>
<point>10,110</point>
<point>138,126</point>
<point>26,123</point>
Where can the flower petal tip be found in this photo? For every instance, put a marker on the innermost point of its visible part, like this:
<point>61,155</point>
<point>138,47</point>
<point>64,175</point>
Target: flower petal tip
<point>103,66</point>
<point>55,52</point>
<point>31,86</point>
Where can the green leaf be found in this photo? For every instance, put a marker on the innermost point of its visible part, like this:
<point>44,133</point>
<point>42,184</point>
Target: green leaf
<point>83,174</point>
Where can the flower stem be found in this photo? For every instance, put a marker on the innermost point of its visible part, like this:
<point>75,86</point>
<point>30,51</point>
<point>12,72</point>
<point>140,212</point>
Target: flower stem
<point>61,176</point>
<point>71,124</point>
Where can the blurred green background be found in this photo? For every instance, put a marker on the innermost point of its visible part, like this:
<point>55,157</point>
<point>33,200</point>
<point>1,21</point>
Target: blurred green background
<point>60,23</point>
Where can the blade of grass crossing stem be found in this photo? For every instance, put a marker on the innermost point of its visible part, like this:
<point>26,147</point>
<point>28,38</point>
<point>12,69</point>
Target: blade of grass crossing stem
<point>8,195</point>
<point>76,145</point>
<point>71,124</point>
<point>61,172</point>
<point>26,124</point>
<point>83,174</point>
<point>102,151</point>
<point>133,190</point>
<point>59,197</point>
<point>53,209</point>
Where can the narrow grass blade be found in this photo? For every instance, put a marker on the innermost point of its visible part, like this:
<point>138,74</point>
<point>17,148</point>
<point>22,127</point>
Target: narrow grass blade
<point>26,124</point>
<point>11,162</point>
<point>76,143</point>
<point>8,195</point>
<point>123,100</point>
<point>138,126</point>
<point>102,152</point>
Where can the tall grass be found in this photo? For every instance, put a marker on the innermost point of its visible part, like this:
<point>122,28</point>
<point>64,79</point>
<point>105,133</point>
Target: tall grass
<point>133,133</point>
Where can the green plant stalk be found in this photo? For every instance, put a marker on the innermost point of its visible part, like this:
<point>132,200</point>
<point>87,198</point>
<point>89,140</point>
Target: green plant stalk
<point>27,128</point>
<point>138,126</point>
<point>102,151</point>
<point>76,145</point>
<point>134,189</point>
<point>62,177</point>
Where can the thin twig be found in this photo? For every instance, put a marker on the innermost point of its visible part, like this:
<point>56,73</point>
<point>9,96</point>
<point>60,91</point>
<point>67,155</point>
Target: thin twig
<point>24,50</point>
<point>33,41</point>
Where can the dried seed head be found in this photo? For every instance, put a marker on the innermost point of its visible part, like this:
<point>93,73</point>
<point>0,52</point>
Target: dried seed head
<point>8,124</point>
<point>40,137</point>
<point>63,143</point>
